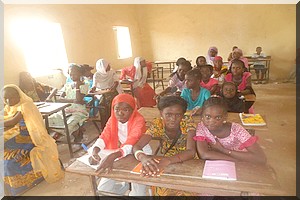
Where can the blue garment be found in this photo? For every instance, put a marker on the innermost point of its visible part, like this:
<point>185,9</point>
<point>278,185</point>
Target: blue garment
<point>87,100</point>
<point>186,94</point>
<point>18,173</point>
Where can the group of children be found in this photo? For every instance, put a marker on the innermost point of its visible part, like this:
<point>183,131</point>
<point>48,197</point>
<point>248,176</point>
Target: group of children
<point>189,89</point>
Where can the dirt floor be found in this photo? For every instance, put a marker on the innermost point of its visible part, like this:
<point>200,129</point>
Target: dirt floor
<point>275,100</point>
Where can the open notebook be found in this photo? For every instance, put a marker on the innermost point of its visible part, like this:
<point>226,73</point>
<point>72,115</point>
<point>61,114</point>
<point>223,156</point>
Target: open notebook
<point>103,153</point>
<point>219,169</point>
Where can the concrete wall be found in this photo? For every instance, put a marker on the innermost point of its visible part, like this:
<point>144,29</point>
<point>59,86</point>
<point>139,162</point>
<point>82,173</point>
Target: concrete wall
<point>162,32</point>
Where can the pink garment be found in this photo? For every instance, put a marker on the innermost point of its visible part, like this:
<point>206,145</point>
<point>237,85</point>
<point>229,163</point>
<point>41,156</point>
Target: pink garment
<point>176,82</point>
<point>130,71</point>
<point>242,86</point>
<point>144,95</point>
<point>238,139</point>
<point>209,84</point>
<point>245,61</point>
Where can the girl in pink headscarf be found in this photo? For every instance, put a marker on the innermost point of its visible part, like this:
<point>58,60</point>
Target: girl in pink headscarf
<point>238,54</point>
<point>211,54</point>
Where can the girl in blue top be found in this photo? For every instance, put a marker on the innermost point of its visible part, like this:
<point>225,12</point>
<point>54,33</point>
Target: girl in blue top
<point>194,94</point>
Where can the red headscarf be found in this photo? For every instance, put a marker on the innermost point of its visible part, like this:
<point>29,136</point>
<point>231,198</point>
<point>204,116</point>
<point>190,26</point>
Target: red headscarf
<point>136,124</point>
<point>218,58</point>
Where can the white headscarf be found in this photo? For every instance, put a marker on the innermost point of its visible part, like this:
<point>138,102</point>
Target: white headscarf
<point>103,79</point>
<point>139,78</point>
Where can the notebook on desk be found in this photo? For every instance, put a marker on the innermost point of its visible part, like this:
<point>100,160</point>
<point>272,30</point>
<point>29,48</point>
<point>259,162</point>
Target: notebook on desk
<point>103,153</point>
<point>219,169</point>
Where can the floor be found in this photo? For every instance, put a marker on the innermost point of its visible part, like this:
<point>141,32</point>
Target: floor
<point>275,100</point>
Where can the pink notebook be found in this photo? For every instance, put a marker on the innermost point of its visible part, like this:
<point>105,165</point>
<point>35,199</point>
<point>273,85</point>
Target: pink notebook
<point>219,169</point>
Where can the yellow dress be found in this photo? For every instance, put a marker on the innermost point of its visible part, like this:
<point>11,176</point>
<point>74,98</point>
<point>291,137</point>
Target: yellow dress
<point>157,130</point>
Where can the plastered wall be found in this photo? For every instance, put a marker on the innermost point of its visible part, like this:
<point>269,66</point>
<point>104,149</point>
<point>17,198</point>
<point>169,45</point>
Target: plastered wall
<point>87,32</point>
<point>172,31</point>
<point>162,32</point>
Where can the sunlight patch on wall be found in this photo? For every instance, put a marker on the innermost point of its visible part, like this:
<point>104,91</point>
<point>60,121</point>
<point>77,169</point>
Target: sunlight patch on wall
<point>42,44</point>
<point>123,41</point>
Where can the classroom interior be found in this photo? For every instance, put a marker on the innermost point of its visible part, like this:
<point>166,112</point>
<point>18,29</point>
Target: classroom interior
<point>167,32</point>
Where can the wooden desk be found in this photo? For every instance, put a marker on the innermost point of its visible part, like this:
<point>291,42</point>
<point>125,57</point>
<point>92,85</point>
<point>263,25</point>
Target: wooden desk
<point>187,176</point>
<point>267,61</point>
<point>127,86</point>
<point>170,63</point>
<point>150,113</point>
<point>155,77</point>
<point>48,109</point>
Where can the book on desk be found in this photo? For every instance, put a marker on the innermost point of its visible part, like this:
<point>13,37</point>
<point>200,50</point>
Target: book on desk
<point>103,154</point>
<point>219,169</point>
<point>252,119</point>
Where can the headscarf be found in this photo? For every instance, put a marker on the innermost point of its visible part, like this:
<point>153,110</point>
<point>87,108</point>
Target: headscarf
<point>136,124</point>
<point>238,50</point>
<point>210,59</point>
<point>103,79</point>
<point>44,155</point>
<point>218,58</point>
<point>139,78</point>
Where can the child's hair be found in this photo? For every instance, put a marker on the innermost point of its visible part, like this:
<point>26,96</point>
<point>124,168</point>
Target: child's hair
<point>237,61</point>
<point>187,64</point>
<point>234,47</point>
<point>229,83</point>
<point>182,63</point>
<point>215,101</point>
<point>195,73</point>
<point>210,67</point>
<point>180,60</point>
<point>199,58</point>
<point>76,67</point>
<point>167,101</point>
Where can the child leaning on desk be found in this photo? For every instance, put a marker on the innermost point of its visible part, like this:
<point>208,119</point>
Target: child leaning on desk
<point>218,139</point>
<point>123,129</point>
<point>176,132</point>
<point>194,94</point>
<point>177,78</point>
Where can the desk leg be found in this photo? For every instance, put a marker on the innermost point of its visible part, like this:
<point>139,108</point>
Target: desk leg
<point>67,133</point>
<point>47,123</point>
<point>94,184</point>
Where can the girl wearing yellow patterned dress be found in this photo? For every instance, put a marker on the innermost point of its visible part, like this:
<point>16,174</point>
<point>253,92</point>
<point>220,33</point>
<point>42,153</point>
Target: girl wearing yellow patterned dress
<point>176,132</point>
<point>30,154</point>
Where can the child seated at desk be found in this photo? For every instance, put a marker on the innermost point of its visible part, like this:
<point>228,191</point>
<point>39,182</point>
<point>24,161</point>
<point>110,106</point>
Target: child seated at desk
<point>194,94</point>
<point>200,61</point>
<point>73,92</point>
<point>218,139</point>
<point>176,132</point>
<point>34,89</point>
<point>259,66</point>
<point>144,93</point>
<point>234,100</point>
<point>105,78</point>
<point>220,70</point>
<point>123,129</point>
<point>30,154</point>
<point>177,81</point>
<point>207,82</point>
<point>242,79</point>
